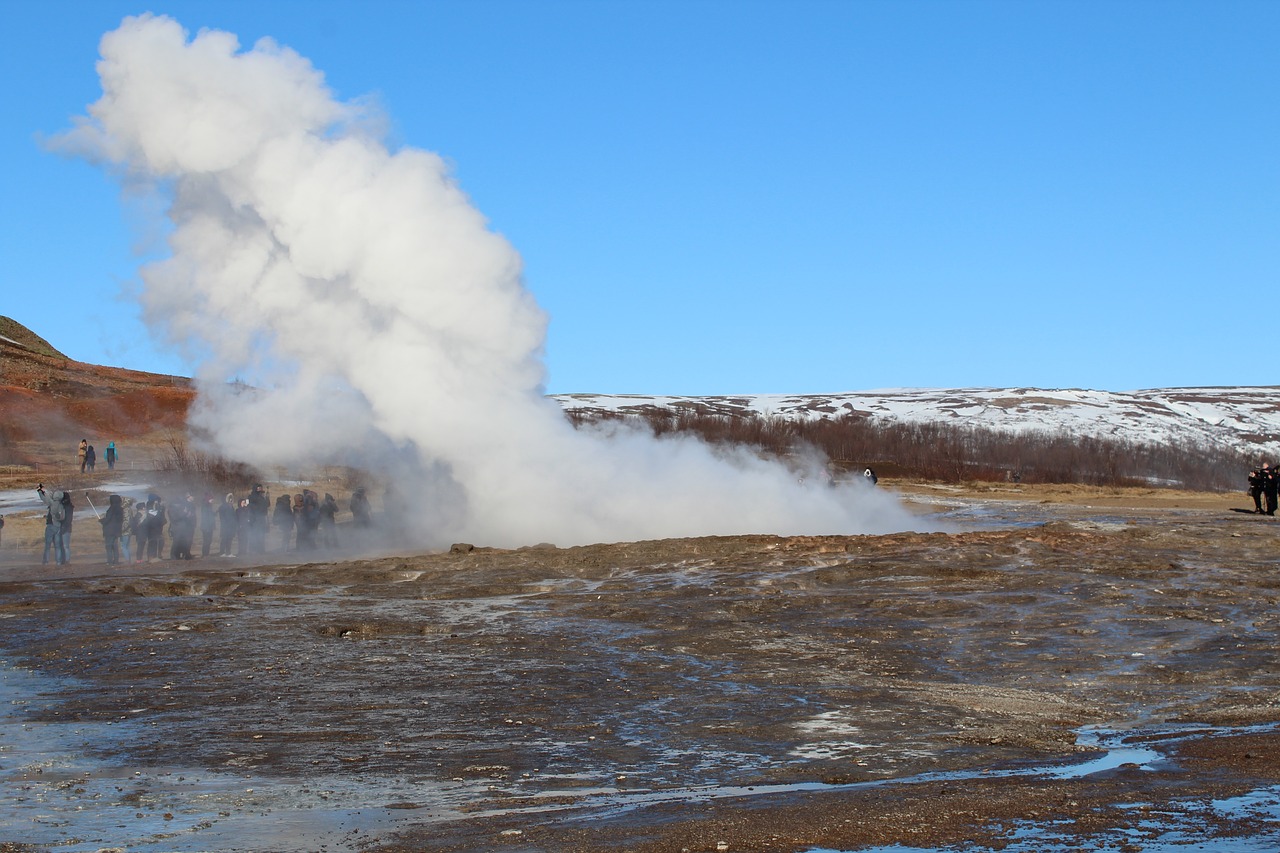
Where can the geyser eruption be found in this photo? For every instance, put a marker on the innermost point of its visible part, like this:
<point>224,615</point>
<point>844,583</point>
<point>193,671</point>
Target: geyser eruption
<point>385,324</point>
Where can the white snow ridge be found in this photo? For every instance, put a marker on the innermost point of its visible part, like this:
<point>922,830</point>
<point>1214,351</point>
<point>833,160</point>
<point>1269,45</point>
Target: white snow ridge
<point>1244,418</point>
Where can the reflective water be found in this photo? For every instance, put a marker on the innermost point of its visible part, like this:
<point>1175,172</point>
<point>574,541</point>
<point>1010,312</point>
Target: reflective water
<point>54,793</point>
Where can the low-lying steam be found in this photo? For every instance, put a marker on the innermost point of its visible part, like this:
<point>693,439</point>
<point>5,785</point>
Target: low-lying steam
<point>387,327</point>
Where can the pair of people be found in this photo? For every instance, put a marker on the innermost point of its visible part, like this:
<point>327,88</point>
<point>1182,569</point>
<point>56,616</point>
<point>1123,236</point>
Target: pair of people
<point>147,526</point>
<point>1264,486</point>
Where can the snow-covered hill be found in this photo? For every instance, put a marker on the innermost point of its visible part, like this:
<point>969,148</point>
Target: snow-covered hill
<point>1245,418</point>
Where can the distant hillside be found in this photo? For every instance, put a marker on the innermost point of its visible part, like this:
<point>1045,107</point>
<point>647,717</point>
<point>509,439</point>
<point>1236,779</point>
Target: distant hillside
<point>47,397</point>
<point>1242,419</point>
<point>1196,438</point>
<point>14,333</point>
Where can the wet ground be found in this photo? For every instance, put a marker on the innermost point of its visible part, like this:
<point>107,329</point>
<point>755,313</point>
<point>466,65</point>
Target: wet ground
<point>1047,677</point>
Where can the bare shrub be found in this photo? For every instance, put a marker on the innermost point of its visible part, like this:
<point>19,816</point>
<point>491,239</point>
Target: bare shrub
<point>197,466</point>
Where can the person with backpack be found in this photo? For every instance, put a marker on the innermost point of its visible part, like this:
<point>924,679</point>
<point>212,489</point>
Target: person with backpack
<point>53,525</point>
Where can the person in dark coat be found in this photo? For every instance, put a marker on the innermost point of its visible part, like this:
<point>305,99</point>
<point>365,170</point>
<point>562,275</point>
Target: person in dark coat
<point>328,522</point>
<point>90,458</point>
<point>112,522</point>
<point>360,512</point>
<point>259,505</point>
<point>226,525</point>
<point>1270,487</point>
<point>157,518</point>
<point>282,519</point>
<point>1257,481</point>
<point>68,515</point>
<point>308,519</point>
<point>182,528</point>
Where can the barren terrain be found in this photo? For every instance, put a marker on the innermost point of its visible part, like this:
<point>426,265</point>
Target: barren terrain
<point>1068,669</point>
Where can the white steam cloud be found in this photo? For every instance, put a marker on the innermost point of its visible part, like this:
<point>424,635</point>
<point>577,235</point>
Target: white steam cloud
<point>388,327</point>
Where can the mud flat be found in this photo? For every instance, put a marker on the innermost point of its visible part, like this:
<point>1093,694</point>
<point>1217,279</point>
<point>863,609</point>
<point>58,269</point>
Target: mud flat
<point>1050,676</point>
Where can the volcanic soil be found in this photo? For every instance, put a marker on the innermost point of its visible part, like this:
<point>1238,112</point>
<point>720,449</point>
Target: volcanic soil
<point>729,693</point>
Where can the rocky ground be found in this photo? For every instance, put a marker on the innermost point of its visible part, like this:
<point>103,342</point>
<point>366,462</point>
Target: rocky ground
<point>743,693</point>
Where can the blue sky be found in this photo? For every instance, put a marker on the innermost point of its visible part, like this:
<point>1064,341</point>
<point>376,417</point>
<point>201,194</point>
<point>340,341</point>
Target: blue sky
<point>762,197</point>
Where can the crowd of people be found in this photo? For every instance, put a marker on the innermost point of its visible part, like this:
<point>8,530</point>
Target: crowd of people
<point>137,531</point>
<point>1264,485</point>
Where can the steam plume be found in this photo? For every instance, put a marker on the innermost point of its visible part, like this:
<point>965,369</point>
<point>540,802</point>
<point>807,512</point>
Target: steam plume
<point>388,326</point>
